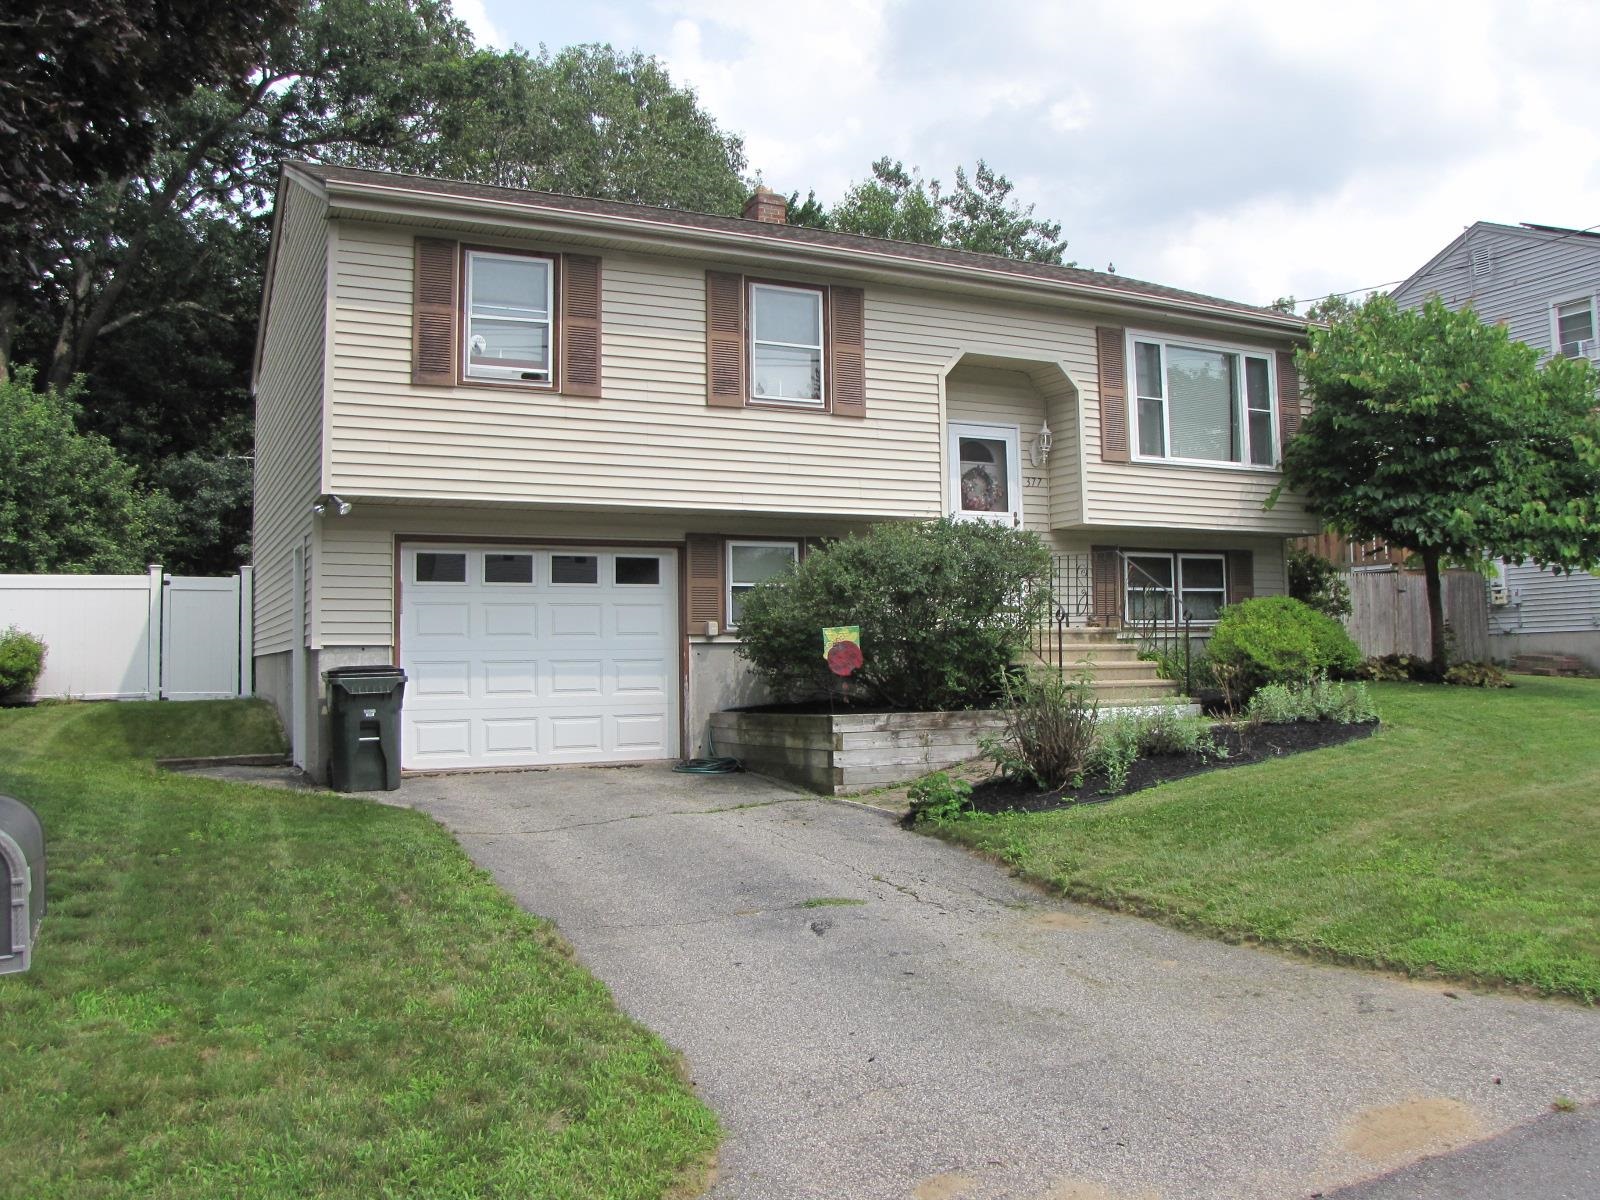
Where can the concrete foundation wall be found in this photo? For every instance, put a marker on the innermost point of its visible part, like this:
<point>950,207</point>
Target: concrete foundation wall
<point>718,679</point>
<point>1584,644</point>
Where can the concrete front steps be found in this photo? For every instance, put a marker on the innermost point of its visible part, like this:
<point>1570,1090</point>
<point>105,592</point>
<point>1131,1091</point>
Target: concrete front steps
<point>1117,675</point>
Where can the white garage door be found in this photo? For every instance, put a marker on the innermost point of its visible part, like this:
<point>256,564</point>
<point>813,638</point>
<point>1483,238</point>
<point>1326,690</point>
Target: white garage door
<point>525,656</point>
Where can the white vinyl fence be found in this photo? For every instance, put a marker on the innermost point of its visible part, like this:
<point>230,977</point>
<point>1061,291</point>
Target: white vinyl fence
<point>136,637</point>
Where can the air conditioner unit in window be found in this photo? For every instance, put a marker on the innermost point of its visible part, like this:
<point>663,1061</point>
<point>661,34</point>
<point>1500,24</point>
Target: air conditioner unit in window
<point>1589,348</point>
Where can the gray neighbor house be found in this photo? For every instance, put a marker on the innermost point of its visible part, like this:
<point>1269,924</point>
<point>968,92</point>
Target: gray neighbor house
<point>1543,283</point>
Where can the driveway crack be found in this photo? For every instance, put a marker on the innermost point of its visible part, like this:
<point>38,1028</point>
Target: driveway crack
<point>639,816</point>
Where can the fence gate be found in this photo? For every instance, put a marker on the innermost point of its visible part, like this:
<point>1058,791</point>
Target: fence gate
<point>200,638</point>
<point>136,637</point>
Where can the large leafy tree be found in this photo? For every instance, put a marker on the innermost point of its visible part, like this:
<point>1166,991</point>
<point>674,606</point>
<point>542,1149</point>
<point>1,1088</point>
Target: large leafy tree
<point>977,214</point>
<point>1432,430</point>
<point>81,84</point>
<point>148,286</point>
<point>68,502</point>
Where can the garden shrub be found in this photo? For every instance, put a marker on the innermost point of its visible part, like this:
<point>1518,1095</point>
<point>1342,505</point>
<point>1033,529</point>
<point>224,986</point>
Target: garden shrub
<point>21,662</point>
<point>944,610</point>
<point>1049,730</point>
<point>1316,582</point>
<point>1319,700</point>
<point>1394,668</point>
<point>1277,639</point>
<point>938,798</point>
<point>1126,737</point>
<point>1477,674</point>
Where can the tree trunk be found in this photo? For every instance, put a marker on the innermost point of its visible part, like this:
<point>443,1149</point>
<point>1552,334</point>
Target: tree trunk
<point>8,331</point>
<point>1440,653</point>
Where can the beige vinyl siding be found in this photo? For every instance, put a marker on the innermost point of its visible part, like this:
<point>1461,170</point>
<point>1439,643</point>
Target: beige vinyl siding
<point>652,442</point>
<point>357,552</point>
<point>288,431</point>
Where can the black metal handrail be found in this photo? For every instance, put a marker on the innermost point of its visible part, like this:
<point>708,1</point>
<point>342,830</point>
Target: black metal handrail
<point>1069,584</point>
<point>1155,633</point>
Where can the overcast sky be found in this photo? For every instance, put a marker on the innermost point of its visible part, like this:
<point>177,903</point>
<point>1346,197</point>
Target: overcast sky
<point>1248,150</point>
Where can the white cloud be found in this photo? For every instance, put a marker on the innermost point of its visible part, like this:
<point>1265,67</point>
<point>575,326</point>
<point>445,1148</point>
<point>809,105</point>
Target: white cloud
<point>1241,147</point>
<point>476,14</point>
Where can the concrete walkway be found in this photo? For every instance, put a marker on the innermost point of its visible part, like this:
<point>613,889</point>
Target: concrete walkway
<point>953,1033</point>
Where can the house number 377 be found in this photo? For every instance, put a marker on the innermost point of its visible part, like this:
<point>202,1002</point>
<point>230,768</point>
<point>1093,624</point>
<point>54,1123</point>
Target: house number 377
<point>1032,481</point>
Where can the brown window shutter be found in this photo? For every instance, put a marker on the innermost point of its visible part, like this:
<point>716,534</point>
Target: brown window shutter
<point>1105,588</point>
<point>704,553</point>
<point>434,313</point>
<point>725,340</point>
<point>1241,576</point>
<point>1112,347</point>
<point>1288,399</point>
<point>580,325</point>
<point>847,365</point>
<point>810,545</point>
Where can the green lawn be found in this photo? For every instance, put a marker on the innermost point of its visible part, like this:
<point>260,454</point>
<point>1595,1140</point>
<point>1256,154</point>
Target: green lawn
<point>251,993</point>
<point>1462,840</point>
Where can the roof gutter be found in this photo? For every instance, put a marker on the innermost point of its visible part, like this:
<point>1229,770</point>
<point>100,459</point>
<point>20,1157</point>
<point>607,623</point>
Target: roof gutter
<point>649,229</point>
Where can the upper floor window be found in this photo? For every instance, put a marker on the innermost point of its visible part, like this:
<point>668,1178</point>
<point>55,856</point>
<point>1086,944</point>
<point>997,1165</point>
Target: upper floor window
<point>509,311</point>
<point>1205,404</point>
<point>786,344</point>
<point>1575,328</point>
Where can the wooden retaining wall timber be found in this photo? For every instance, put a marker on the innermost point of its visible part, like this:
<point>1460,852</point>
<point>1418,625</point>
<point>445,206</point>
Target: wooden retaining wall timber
<point>844,752</point>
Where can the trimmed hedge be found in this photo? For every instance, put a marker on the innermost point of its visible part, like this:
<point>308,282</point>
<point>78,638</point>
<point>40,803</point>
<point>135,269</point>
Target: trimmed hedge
<point>944,609</point>
<point>21,662</point>
<point>1276,639</point>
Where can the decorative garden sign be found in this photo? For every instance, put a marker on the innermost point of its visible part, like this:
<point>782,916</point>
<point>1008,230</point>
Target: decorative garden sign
<point>841,646</point>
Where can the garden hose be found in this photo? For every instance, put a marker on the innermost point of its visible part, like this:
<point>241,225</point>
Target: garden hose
<point>708,766</point>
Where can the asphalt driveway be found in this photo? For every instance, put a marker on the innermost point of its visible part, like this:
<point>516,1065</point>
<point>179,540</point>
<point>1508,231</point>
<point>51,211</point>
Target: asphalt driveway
<point>950,1032</point>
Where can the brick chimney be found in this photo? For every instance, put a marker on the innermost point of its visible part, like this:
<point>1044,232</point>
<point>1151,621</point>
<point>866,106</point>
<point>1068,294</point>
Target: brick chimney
<point>767,205</point>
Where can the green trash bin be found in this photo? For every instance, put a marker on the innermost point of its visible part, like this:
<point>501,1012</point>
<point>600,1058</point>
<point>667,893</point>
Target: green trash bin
<point>364,728</point>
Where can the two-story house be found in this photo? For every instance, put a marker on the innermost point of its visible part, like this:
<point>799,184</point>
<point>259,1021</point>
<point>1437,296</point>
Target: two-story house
<point>535,448</point>
<point>1543,283</point>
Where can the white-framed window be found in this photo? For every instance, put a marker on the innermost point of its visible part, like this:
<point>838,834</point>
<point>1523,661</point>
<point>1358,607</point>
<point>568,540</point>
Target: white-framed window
<point>1201,403</point>
<point>439,566</point>
<point>508,313</point>
<point>1572,324</point>
<point>786,326</point>
<point>750,563</point>
<point>1174,586</point>
<point>985,473</point>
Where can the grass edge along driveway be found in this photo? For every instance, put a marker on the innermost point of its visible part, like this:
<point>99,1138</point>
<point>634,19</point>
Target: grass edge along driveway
<point>255,993</point>
<point>1458,842</point>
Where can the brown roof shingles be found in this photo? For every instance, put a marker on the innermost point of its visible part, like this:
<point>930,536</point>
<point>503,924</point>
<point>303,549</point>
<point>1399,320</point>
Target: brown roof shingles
<point>795,234</point>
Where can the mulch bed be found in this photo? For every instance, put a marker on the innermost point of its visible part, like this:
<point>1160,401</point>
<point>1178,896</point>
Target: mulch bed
<point>1244,747</point>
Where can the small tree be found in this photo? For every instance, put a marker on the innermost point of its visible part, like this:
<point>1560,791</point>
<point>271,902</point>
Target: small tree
<point>1317,582</point>
<point>944,609</point>
<point>67,501</point>
<point>1432,430</point>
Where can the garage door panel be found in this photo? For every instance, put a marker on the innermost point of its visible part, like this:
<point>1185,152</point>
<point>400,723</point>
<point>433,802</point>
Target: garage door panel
<point>510,619</point>
<point>576,621</point>
<point>639,676</point>
<point>439,679</point>
<point>585,732</point>
<point>577,677</point>
<point>439,739</point>
<point>510,678</point>
<point>539,656</point>
<point>510,735</point>
<point>645,734</point>
<point>443,619</point>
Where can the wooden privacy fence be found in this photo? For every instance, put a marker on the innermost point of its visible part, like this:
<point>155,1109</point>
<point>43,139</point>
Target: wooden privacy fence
<point>136,637</point>
<point>1389,613</point>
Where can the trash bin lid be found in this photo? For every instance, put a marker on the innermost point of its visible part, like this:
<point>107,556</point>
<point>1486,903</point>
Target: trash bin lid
<point>365,681</point>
